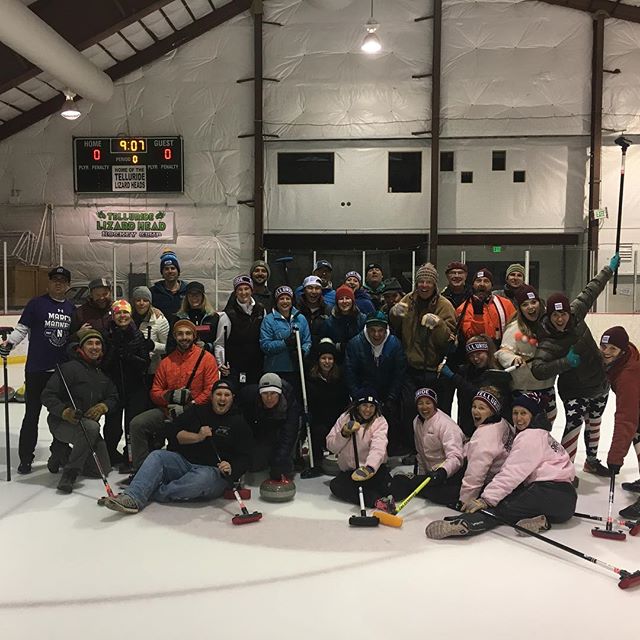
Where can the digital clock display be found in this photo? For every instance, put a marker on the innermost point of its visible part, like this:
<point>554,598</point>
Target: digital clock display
<point>128,165</point>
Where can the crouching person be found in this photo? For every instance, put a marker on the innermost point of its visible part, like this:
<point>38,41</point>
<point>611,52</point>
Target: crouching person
<point>94,395</point>
<point>534,487</point>
<point>209,449</point>
<point>359,440</point>
<point>273,413</point>
<point>439,446</point>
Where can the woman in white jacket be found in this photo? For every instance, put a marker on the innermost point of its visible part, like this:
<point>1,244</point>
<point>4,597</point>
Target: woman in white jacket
<point>533,488</point>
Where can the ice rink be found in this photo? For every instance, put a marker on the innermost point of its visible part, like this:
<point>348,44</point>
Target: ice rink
<point>72,569</point>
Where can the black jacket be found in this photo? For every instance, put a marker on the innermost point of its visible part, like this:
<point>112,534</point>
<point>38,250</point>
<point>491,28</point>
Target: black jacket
<point>127,357</point>
<point>242,347</point>
<point>327,400</point>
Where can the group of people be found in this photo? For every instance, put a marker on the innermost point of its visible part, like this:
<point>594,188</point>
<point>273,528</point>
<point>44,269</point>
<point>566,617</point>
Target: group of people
<point>379,368</point>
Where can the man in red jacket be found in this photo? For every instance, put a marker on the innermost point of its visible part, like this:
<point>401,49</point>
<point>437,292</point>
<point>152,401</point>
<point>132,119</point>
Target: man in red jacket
<point>622,362</point>
<point>182,379</point>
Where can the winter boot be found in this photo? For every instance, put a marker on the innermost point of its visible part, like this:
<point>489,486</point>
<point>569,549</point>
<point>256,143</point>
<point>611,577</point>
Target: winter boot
<point>594,466</point>
<point>631,486</point>
<point>535,525</point>
<point>59,456</point>
<point>24,467</point>
<point>122,503</point>
<point>632,512</point>
<point>67,480</point>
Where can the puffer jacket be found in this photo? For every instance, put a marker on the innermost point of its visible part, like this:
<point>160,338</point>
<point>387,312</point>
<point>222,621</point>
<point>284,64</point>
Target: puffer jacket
<point>486,452</point>
<point>87,383</point>
<point>534,457</point>
<point>414,336</point>
<point>274,330</point>
<point>127,357</point>
<point>438,442</point>
<point>371,442</point>
<point>342,328</point>
<point>165,300</point>
<point>364,302</point>
<point>588,379</point>
<point>624,376</point>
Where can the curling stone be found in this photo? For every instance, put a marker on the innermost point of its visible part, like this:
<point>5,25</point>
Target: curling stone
<point>19,397</point>
<point>11,392</point>
<point>330,465</point>
<point>278,490</point>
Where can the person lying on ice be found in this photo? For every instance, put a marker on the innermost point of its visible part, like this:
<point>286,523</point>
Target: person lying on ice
<point>533,488</point>
<point>488,448</point>
<point>439,446</point>
<point>359,440</point>
<point>209,449</point>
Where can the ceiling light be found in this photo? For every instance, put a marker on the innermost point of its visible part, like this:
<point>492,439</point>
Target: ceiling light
<point>371,42</point>
<point>69,110</point>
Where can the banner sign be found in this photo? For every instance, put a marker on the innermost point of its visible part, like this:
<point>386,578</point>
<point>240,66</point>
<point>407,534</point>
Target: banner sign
<point>136,226</point>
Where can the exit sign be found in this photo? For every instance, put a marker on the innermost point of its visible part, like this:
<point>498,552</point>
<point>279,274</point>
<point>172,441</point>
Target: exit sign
<point>496,249</point>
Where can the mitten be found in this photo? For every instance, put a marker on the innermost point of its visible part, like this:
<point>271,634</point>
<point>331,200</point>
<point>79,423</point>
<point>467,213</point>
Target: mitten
<point>438,477</point>
<point>178,396</point>
<point>175,410</point>
<point>573,358</point>
<point>97,411</point>
<point>349,428</point>
<point>614,263</point>
<point>362,473</point>
<point>430,320</point>
<point>291,341</point>
<point>71,415</point>
<point>399,309</point>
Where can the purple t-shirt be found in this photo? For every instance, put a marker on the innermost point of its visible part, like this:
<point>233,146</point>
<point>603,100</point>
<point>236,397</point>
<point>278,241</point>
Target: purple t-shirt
<point>48,321</point>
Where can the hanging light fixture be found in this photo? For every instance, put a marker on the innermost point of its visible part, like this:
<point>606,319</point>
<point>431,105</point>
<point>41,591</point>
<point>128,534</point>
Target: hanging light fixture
<point>69,110</point>
<point>371,42</point>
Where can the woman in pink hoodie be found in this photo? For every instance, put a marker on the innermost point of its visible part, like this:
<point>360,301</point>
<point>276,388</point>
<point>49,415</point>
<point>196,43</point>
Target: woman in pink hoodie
<point>439,445</point>
<point>533,488</point>
<point>359,440</point>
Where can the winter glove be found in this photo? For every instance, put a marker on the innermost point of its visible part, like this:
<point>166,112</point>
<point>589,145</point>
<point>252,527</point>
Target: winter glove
<point>478,305</point>
<point>149,345</point>
<point>614,263</point>
<point>474,505</point>
<point>446,372</point>
<point>97,411</point>
<point>71,415</point>
<point>438,477</point>
<point>614,468</point>
<point>399,309</point>
<point>175,410</point>
<point>573,358</point>
<point>430,321</point>
<point>291,343</point>
<point>178,396</point>
<point>351,427</point>
<point>5,349</point>
<point>362,473</point>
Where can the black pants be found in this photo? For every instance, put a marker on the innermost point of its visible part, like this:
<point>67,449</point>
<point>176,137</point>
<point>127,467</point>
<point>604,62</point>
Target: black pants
<point>343,487</point>
<point>319,433</point>
<point>447,493</point>
<point>555,500</point>
<point>34,384</point>
<point>442,386</point>
<point>263,457</point>
<point>132,404</point>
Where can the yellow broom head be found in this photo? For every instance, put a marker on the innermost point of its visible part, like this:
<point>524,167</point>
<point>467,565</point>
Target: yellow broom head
<point>388,519</point>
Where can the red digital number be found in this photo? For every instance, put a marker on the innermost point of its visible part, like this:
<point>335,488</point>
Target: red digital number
<point>96,154</point>
<point>168,154</point>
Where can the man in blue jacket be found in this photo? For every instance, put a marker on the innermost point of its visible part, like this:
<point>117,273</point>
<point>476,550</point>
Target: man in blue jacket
<point>167,294</point>
<point>375,359</point>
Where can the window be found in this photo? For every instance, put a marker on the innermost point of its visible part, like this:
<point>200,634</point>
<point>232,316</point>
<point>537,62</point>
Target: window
<point>499,161</point>
<point>519,176</point>
<point>305,168</point>
<point>466,177</point>
<point>446,160</point>
<point>405,172</point>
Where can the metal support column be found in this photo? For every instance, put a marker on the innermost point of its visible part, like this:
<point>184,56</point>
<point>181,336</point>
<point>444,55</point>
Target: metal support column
<point>435,129</point>
<point>258,141</point>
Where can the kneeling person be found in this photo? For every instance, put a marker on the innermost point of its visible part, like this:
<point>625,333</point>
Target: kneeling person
<point>209,449</point>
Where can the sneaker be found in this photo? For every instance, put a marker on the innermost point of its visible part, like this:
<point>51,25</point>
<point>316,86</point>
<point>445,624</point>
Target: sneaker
<point>631,486</point>
<point>67,480</point>
<point>535,525</point>
<point>440,529</point>
<point>24,468</point>
<point>122,503</point>
<point>594,466</point>
<point>632,512</point>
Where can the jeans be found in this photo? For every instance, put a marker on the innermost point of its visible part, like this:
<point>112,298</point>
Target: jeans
<point>166,476</point>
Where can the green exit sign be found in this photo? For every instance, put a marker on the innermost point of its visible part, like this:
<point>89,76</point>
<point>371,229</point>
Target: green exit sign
<point>496,249</point>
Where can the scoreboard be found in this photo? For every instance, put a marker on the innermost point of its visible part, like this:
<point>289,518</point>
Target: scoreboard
<point>128,165</point>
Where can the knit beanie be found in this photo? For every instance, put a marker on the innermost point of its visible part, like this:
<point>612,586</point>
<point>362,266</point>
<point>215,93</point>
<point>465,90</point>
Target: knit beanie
<point>243,279</point>
<point>427,272</point>
<point>373,265</point>
<point>353,274</point>
<point>167,258</point>
<point>524,293</point>
<point>121,305</point>
<point>87,334</point>
<point>530,401</point>
<point>186,324</point>
<point>284,290</point>
<point>260,263</point>
<point>344,291</point>
<point>455,264</point>
<point>617,336</point>
<point>141,293</point>
<point>366,394</point>
<point>425,392</point>
<point>489,399</point>
<point>392,285</point>
<point>483,273</point>
<point>558,302</point>
<point>514,268</point>
<point>476,343</point>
